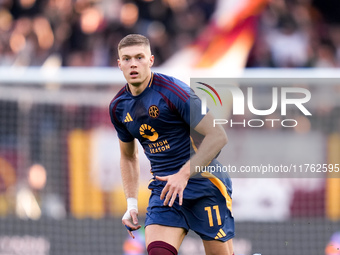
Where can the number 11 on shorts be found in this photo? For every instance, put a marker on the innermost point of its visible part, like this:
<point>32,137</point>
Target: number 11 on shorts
<point>218,216</point>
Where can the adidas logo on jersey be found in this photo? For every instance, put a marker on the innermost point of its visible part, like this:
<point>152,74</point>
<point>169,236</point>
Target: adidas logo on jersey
<point>220,234</point>
<point>128,118</point>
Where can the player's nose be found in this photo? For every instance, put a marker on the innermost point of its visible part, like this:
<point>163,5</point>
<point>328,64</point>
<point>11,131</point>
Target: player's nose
<point>133,62</point>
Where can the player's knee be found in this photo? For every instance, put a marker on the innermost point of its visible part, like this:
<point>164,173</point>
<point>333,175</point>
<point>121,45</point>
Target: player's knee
<point>161,248</point>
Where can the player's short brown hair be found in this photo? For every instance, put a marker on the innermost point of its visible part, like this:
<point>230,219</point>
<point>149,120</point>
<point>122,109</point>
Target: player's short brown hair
<point>133,39</point>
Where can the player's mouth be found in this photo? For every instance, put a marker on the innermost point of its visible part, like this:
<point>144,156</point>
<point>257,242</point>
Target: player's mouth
<point>134,74</point>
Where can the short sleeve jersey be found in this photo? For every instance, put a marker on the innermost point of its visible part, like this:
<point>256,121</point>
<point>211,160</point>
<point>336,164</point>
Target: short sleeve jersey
<point>162,118</point>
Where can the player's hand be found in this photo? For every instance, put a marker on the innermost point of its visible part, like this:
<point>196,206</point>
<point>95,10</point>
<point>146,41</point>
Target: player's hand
<point>130,220</point>
<point>175,185</point>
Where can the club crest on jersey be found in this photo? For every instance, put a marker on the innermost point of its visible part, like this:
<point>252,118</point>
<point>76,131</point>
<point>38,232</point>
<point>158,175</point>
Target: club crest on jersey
<point>153,111</point>
<point>148,132</point>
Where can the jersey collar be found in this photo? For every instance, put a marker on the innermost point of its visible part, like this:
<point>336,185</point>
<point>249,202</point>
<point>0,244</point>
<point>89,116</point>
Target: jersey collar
<point>151,80</point>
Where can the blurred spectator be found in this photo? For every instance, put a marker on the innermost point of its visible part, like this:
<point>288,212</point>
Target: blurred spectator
<point>325,55</point>
<point>288,45</point>
<point>32,203</point>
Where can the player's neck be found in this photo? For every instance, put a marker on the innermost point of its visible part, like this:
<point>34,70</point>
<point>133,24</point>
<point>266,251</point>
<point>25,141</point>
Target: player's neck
<point>137,89</point>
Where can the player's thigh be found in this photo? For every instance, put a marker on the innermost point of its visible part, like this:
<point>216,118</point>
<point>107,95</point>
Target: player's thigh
<point>170,235</point>
<point>214,247</point>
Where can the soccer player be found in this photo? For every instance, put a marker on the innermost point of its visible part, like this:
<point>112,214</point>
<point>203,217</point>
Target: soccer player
<point>164,114</point>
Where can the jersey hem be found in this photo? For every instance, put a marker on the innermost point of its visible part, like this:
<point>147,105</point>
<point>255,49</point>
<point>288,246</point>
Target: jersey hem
<point>224,239</point>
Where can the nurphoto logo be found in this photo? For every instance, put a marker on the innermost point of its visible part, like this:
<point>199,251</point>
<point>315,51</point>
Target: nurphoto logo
<point>204,100</point>
<point>281,97</point>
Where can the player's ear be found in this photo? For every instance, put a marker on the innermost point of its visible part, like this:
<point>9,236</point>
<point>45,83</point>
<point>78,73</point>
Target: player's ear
<point>119,64</point>
<point>152,60</point>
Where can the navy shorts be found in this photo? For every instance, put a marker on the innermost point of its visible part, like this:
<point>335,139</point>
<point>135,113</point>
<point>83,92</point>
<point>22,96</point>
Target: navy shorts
<point>206,208</point>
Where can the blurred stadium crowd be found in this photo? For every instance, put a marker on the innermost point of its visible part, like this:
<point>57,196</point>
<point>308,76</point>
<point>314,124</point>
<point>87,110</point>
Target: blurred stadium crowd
<point>86,32</point>
<point>291,33</point>
<point>298,33</point>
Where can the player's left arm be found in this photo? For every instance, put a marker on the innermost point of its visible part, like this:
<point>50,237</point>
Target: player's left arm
<point>215,139</point>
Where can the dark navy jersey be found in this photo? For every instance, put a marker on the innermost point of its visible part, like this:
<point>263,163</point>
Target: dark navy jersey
<point>162,118</point>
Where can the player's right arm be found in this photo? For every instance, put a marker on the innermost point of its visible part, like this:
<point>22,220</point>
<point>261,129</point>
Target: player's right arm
<point>129,165</point>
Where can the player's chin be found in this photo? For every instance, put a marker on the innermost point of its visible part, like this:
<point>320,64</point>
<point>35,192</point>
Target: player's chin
<point>130,79</point>
<point>135,82</point>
